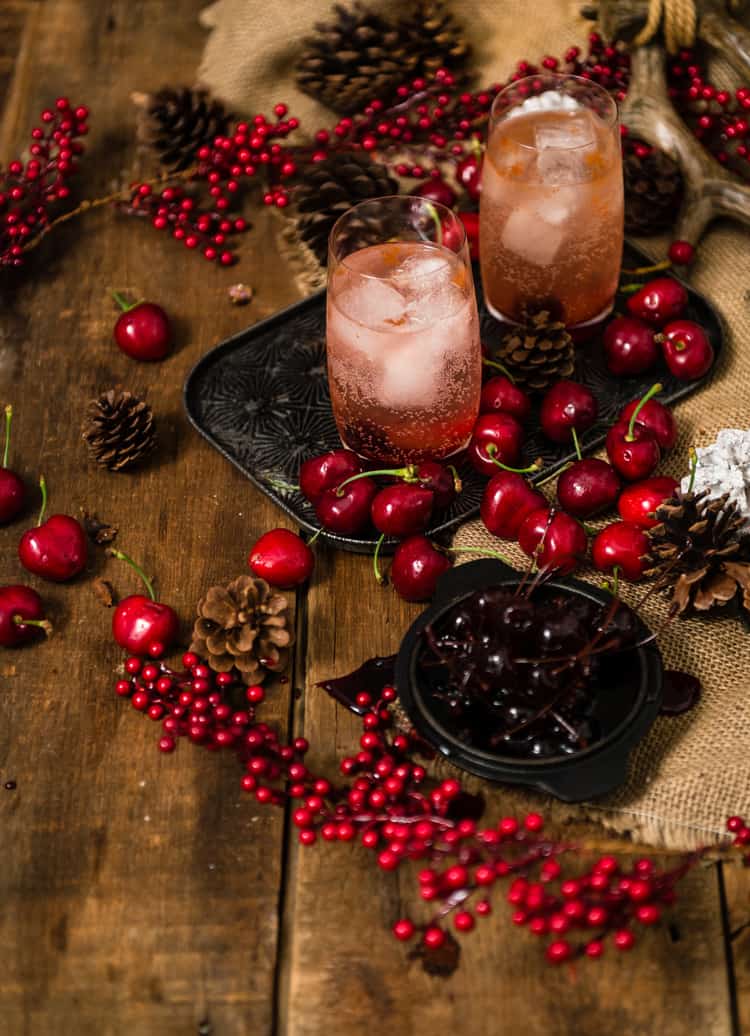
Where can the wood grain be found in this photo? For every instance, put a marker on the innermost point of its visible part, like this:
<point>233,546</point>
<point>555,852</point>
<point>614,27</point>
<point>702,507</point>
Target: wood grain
<point>141,892</point>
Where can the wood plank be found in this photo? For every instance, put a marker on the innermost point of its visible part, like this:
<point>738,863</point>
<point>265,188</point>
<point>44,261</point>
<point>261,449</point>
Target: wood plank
<point>140,892</point>
<point>736,888</point>
<point>342,961</point>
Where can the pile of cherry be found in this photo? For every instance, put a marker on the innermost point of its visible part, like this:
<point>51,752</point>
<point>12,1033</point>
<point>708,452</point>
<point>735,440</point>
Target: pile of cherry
<point>349,500</point>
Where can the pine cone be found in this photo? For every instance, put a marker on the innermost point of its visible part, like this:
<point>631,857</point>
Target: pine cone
<point>354,58</point>
<point>119,430</point>
<point>329,188</point>
<point>701,551</point>
<point>176,121</point>
<point>653,192</point>
<point>538,354</point>
<point>243,626</point>
<point>432,35</point>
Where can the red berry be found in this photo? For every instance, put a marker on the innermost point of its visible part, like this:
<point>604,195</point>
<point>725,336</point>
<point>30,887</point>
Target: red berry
<point>658,301</point>
<point>681,253</point>
<point>621,545</point>
<point>566,406</point>
<point>416,567</point>
<point>56,550</point>
<point>433,937</point>
<point>508,499</point>
<point>687,350</point>
<point>463,921</point>
<point>629,346</point>
<point>656,418</point>
<point>138,622</point>
<point>639,502</point>
<point>556,540</point>
<point>559,951</point>
<point>624,939</point>
<point>588,487</point>
<point>404,929</point>
<point>499,393</point>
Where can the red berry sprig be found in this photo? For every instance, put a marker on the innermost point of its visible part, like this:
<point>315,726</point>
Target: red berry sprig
<point>30,189</point>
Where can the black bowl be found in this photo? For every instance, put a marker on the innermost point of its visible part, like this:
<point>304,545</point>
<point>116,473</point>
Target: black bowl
<point>628,695</point>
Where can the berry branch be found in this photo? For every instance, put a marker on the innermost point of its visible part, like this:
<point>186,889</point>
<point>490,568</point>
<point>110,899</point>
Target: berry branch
<point>387,802</point>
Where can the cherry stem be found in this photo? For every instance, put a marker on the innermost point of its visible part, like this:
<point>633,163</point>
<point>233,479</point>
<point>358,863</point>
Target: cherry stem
<point>408,474</point>
<point>43,487</point>
<point>457,483</point>
<point>555,474</point>
<point>8,419</point>
<point>122,556</point>
<point>491,451</point>
<point>477,148</point>
<point>641,271</point>
<point>124,305</point>
<point>642,402</point>
<point>376,559</point>
<point>42,624</point>
<point>433,213</point>
<point>614,586</point>
<point>483,552</point>
<point>693,468</point>
<point>314,536</point>
<point>499,366</point>
<point>629,289</point>
<point>576,443</point>
<point>277,483</point>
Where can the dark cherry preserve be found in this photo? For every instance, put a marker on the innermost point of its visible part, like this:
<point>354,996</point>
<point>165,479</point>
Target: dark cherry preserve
<point>536,677</point>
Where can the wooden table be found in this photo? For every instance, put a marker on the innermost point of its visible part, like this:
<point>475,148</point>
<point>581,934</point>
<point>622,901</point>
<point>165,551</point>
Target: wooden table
<point>143,894</point>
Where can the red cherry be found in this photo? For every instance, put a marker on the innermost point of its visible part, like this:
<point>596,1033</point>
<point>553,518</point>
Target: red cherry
<point>469,174</point>
<point>564,539</point>
<point>495,436</point>
<point>621,545</point>
<point>588,487</point>
<point>499,393</point>
<point>632,449</point>
<point>346,511</point>
<point>443,482</point>
<point>401,510</point>
<point>20,602</point>
<point>55,549</point>
<point>282,558</point>
<point>656,418</point>
<point>470,221</point>
<point>508,498</point>
<point>681,253</point>
<point>629,346</point>
<point>143,331</point>
<point>687,350</point>
<point>328,471</point>
<point>639,502</point>
<point>567,406</point>
<point>12,489</point>
<point>436,190</point>
<point>634,455</point>
<point>140,622</point>
<point>416,567</point>
<point>658,301</point>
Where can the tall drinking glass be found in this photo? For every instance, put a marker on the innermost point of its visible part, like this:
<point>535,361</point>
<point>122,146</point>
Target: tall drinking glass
<point>551,211</point>
<point>404,359</point>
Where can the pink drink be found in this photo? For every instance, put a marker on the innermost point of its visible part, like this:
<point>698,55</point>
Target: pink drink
<point>404,359</point>
<point>551,227</point>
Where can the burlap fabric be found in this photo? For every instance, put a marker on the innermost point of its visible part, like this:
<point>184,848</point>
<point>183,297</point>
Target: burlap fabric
<point>691,771</point>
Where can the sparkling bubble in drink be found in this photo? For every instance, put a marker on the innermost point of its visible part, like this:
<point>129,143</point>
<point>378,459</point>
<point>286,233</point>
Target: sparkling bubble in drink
<point>551,211</point>
<point>404,358</point>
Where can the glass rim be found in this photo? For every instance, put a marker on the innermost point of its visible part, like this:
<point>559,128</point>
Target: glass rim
<point>440,211</point>
<point>557,77</point>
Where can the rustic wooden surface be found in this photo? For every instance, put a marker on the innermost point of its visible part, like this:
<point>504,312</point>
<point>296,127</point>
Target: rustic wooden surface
<point>142,894</point>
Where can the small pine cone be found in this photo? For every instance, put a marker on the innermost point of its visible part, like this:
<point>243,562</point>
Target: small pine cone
<point>653,192</point>
<point>354,58</point>
<point>538,354</point>
<point>119,430</point>
<point>176,121</point>
<point>433,36</point>
<point>243,626</point>
<point>328,188</point>
<point>700,552</point>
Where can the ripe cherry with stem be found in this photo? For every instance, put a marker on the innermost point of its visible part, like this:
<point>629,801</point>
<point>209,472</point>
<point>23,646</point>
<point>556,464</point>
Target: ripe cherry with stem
<point>12,489</point>
<point>632,449</point>
<point>140,621</point>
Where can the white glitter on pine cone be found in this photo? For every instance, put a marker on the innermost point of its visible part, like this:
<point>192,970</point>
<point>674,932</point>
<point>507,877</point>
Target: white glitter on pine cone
<point>724,467</point>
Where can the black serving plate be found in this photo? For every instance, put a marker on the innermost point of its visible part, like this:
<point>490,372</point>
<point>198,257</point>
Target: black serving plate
<point>261,398</point>
<point>628,699</point>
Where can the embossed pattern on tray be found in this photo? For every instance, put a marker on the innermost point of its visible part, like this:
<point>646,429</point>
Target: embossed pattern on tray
<point>261,398</point>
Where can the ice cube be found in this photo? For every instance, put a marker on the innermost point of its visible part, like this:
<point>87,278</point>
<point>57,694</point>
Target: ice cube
<point>422,271</point>
<point>373,303</point>
<point>533,239</point>
<point>564,149</point>
<point>410,374</point>
<point>437,303</point>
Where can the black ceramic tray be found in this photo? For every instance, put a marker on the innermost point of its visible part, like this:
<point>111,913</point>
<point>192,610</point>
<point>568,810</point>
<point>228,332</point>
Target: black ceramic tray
<point>630,695</point>
<point>261,398</point>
